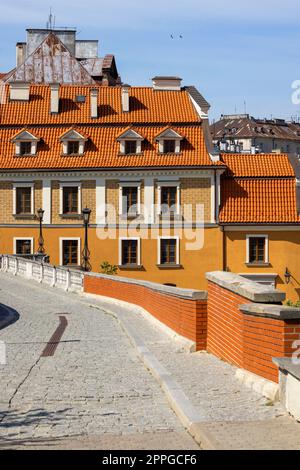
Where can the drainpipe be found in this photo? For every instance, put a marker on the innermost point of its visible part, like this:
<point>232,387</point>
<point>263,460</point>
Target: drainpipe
<point>224,249</point>
<point>216,197</point>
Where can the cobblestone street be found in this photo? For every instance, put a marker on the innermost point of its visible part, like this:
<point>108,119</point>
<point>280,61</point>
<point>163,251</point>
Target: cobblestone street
<point>93,390</point>
<point>94,386</point>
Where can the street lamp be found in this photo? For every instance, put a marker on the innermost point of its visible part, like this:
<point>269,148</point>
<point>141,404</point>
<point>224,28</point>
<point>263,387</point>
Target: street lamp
<point>41,249</point>
<point>86,213</point>
<point>287,276</point>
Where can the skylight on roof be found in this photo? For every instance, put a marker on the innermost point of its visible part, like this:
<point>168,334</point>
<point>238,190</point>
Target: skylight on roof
<point>80,98</point>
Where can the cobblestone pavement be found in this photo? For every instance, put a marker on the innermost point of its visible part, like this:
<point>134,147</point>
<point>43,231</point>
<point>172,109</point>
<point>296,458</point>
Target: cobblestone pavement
<point>93,392</point>
<point>236,416</point>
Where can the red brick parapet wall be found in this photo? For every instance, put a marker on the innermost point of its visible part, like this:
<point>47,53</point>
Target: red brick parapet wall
<point>242,322</point>
<point>249,335</point>
<point>182,310</point>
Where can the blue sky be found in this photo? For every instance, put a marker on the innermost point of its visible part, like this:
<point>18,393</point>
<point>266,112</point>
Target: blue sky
<point>233,51</point>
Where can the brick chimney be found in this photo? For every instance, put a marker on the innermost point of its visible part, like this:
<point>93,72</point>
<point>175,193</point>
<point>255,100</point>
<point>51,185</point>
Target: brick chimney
<point>54,99</point>
<point>125,98</point>
<point>19,91</point>
<point>166,83</point>
<point>94,103</point>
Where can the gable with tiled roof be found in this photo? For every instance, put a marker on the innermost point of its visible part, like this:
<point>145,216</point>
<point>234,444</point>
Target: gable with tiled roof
<point>258,189</point>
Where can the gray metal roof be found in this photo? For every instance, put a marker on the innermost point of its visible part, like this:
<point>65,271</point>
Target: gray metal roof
<point>196,95</point>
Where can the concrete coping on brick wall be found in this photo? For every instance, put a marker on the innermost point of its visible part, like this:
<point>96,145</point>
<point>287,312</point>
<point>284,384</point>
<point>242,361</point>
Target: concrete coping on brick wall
<point>187,294</point>
<point>286,364</point>
<point>245,288</point>
<point>277,312</point>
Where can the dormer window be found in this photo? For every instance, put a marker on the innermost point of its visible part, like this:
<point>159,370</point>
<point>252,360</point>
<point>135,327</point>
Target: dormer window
<point>169,141</point>
<point>73,147</point>
<point>25,143</point>
<point>130,147</point>
<point>130,142</point>
<point>73,142</point>
<point>25,148</point>
<point>169,146</point>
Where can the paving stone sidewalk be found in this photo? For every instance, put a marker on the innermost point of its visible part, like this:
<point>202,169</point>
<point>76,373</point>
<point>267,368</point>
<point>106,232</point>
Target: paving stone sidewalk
<point>234,416</point>
<point>94,392</point>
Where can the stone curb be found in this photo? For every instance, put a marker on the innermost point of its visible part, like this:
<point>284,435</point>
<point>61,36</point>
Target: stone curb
<point>187,344</point>
<point>260,385</point>
<point>181,405</point>
<point>7,318</point>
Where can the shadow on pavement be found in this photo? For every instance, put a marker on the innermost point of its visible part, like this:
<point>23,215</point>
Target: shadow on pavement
<point>8,316</point>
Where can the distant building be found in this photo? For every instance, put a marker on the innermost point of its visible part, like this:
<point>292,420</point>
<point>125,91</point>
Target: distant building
<point>56,56</point>
<point>241,133</point>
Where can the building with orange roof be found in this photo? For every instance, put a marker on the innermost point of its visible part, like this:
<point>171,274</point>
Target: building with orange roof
<point>165,206</point>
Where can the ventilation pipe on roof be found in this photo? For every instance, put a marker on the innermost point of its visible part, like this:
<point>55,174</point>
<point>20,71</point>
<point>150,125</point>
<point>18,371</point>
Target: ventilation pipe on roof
<point>125,98</point>
<point>94,103</point>
<point>54,99</point>
<point>19,91</point>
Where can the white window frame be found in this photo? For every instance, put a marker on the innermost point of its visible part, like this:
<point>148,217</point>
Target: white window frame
<point>69,185</point>
<point>138,239</point>
<point>161,145</point>
<point>22,185</point>
<point>177,238</point>
<point>61,240</point>
<point>138,145</point>
<point>248,237</point>
<point>134,184</point>
<point>164,184</point>
<point>77,137</point>
<point>15,239</point>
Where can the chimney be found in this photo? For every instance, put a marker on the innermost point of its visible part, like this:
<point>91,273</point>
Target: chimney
<point>20,53</point>
<point>54,99</point>
<point>94,103</point>
<point>125,98</point>
<point>166,83</point>
<point>19,91</point>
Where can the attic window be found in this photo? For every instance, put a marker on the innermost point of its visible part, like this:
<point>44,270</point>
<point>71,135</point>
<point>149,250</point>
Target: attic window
<point>73,142</point>
<point>80,98</point>
<point>73,147</point>
<point>25,148</point>
<point>169,141</point>
<point>130,147</point>
<point>25,143</point>
<point>130,142</point>
<point>169,146</point>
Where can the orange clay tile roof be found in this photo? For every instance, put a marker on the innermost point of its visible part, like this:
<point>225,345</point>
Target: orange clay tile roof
<point>146,106</point>
<point>151,111</point>
<point>258,189</point>
<point>266,165</point>
<point>103,151</point>
<point>258,201</point>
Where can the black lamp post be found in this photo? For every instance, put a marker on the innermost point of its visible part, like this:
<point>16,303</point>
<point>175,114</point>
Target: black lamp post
<point>41,249</point>
<point>86,213</point>
<point>287,276</point>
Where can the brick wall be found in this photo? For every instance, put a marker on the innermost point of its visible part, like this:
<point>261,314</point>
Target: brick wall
<point>186,317</point>
<point>249,342</point>
<point>6,203</point>
<point>197,191</point>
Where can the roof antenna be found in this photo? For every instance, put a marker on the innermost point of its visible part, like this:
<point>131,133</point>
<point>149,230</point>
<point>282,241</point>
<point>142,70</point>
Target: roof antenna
<point>245,107</point>
<point>50,20</point>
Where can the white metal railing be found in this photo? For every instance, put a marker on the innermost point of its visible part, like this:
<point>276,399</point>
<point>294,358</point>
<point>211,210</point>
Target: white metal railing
<point>54,276</point>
